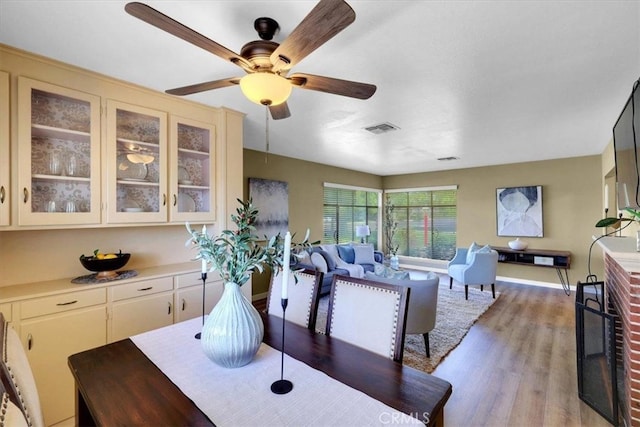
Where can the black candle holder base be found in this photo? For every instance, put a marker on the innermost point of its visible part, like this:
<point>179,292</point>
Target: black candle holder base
<point>282,387</point>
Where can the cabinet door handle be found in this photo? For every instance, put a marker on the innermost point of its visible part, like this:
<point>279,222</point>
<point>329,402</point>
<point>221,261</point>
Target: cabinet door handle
<point>175,200</point>
<point>164,199</point>
<point>29,341</point>
<point>145,289</point>
<point>169,310</point>
<point>67,303</point>
<point>26,194</point>
<point>184,304</point>
<point>2,194</point>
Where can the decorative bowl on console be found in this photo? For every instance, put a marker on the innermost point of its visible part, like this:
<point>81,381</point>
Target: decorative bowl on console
<point>106,265</point>
<point>518,245</point>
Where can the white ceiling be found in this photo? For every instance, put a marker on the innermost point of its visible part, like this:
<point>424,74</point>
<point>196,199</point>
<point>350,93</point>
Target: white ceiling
<point>490,82</point>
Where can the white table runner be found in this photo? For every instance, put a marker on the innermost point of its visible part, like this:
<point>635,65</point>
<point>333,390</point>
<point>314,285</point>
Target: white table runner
<point>243,397</point>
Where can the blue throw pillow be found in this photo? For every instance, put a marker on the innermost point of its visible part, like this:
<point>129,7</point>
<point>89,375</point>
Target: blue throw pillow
<point>347,253</point>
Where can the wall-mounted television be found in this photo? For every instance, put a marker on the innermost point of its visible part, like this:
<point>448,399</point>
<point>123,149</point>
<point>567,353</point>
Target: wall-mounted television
<point>627,160</point>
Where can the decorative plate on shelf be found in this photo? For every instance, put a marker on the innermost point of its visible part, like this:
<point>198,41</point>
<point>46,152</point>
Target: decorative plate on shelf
<point>131,206</point>
<point>130,171</point>
<point>186,203</point>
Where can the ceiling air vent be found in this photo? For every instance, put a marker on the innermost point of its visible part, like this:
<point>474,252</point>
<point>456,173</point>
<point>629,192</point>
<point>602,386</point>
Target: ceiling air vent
<point>447,159</point>
<point>381,128</point>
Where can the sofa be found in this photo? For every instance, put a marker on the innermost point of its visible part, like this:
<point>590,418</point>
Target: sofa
<point>348,259</point>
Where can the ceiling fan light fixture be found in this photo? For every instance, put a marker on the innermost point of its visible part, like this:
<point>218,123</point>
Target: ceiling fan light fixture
<point>265,88</point>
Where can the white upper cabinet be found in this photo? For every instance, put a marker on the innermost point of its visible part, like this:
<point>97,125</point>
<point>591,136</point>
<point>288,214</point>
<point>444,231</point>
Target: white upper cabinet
<point>58,155</point>
<point>5,158</point>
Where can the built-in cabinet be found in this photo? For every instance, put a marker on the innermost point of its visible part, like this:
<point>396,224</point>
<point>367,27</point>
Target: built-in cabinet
<point>82,150</point>
<point>58,155</point>
<point>5,159</point>
<point>141,306</point>
<point>53,327</point>
<point>137,173</point>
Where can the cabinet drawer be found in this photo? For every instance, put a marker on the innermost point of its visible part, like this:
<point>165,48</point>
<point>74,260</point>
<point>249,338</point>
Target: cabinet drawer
<point>195,278</point>
<point>63,302</point>
<point>138,289</point>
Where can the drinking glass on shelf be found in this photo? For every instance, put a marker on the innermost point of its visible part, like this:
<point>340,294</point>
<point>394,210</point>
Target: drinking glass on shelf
<point>50,206</point>
<point>71,167</point>
<point>70,206</point>
<point>54,164</point>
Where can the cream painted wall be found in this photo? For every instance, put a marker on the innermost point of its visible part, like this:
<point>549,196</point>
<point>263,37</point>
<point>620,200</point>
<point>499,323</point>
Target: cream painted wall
<point>572,202</point>
<point>40,255</point>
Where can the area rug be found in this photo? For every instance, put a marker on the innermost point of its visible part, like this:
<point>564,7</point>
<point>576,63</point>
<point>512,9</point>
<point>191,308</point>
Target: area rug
<point>454,318</point>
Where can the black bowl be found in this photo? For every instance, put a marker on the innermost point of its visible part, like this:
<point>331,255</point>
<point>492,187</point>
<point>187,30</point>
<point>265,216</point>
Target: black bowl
<point>105,267</point>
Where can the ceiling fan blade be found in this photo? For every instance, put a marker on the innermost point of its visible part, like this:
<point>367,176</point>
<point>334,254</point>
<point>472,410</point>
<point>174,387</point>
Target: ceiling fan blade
<point>280,111</point>
<point>201,87</point>
<point>327,19</point>
<point>331,85</point>
<point>171,26</point>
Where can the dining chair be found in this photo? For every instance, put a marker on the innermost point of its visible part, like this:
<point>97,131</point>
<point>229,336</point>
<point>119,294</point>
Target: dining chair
<point>423,306</point>
<point>369,314</point>
<point>303,294</point>
<point>17,375</point>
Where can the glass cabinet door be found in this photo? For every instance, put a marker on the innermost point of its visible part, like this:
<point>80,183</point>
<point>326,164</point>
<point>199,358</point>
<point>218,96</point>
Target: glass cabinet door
<point>58,155</point>
<point>136,164</point>
<point>192,174</point>
<point>5,159</point>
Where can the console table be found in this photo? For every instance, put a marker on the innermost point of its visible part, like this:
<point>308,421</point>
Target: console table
<point>560,260</point>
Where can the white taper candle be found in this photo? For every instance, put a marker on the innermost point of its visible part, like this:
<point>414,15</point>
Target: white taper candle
<point>285,265</point>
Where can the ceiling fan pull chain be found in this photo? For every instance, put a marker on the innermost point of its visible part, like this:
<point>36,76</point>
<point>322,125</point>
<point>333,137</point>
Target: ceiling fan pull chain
<point>266,127</point>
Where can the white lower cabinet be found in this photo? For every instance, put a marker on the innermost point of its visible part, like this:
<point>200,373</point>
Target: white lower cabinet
<point>141,306</point>
<point>189,296</point>
<point>54,329</point>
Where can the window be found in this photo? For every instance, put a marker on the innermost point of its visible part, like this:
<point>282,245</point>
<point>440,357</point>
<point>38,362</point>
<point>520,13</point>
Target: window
<point>426,222</point>
<point>347,207</point>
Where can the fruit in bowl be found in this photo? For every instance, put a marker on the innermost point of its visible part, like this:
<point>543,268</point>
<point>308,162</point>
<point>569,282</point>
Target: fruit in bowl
<point>104,264</point>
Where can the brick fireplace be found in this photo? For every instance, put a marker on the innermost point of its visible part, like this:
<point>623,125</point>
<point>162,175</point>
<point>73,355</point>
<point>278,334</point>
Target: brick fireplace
<point>622,281</point>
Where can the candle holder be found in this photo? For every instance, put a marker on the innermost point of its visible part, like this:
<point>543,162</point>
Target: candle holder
<point>282,386</point>
<point>204,281</point>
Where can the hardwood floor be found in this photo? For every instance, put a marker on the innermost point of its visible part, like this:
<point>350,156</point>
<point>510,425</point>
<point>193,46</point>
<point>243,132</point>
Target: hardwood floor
<point>517,364</point>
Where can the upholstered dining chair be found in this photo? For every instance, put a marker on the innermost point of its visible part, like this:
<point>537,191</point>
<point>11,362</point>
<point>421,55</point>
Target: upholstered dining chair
<point>303,296</point>
<point>17,375</point>
<point>423,304</point>
<point>474,266</point>
<point>369,314</point>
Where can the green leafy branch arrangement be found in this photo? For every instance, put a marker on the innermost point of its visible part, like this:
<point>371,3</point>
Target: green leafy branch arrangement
<point>390,227</point>
<point>236,254</point>
<point>617,222</point>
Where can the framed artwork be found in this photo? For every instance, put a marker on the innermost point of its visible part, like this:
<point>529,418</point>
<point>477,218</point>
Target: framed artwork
<point>271,198</point>
<point>519,211</point>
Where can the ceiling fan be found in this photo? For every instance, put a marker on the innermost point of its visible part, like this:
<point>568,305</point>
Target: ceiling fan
<point>267,63</point>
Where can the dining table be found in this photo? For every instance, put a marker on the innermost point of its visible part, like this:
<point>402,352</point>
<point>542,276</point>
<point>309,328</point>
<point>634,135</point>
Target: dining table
<point>163,378</point>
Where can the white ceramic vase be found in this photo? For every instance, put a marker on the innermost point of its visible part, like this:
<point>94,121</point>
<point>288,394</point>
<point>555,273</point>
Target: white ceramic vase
<point>233,332</point>
<point>394,262</point>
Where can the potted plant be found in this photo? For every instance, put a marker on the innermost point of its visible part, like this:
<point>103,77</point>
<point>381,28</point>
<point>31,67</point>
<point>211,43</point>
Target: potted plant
<point>233,331</point>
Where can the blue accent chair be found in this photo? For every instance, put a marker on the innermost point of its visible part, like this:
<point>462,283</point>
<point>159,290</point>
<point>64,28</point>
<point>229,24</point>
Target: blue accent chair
<point>479,269</point>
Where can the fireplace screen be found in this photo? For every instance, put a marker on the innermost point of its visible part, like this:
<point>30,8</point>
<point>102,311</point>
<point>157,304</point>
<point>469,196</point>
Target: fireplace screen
<point>596,348</point>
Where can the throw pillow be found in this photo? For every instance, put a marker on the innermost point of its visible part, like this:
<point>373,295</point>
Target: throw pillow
<point>319,262</point>
<point>347,253</point>
<point>331,263</point>
<point>363,254</point>
<point>472,249</point>
<point>484,250</point>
